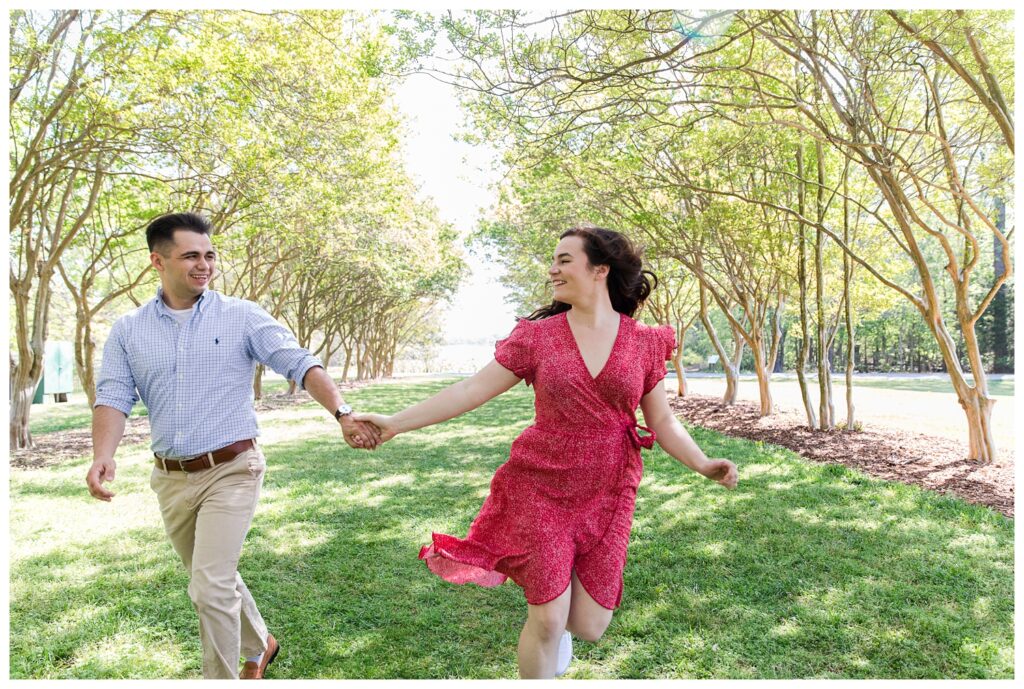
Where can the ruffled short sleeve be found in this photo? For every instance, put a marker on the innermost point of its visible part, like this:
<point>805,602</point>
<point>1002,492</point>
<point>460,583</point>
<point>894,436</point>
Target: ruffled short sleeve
<point>515,352</point>
<point>661,346</point>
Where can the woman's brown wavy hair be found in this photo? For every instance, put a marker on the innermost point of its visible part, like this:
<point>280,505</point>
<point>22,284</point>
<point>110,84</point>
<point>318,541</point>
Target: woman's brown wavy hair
<point>629,284</point>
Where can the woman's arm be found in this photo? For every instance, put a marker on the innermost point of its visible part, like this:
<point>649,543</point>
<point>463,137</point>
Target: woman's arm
<point>674,439</point>
<point>466,395</point>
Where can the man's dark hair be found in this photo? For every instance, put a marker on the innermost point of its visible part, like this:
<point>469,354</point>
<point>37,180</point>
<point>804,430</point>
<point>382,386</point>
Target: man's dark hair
<point>162,229</point>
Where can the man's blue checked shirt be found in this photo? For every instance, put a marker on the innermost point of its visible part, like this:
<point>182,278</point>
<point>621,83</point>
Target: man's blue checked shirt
<point>196,378</point>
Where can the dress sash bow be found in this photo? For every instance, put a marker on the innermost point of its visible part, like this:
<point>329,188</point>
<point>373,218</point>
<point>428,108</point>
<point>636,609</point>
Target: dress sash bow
<point>641,441</point>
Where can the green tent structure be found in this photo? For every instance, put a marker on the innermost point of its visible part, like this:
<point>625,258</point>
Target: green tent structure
<point>58,372</point>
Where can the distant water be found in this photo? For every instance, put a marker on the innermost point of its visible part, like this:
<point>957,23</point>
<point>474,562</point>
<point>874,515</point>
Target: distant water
<point>450,358</point>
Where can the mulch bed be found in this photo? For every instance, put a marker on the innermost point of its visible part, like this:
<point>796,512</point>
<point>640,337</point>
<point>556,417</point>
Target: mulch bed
<point>61,446</point>
<point>931,462</point>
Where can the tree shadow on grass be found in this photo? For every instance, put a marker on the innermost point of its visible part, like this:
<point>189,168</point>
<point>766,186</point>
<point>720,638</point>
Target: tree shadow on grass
<point>822,573</point>
<point>814,561</point>
<point>113,608</point>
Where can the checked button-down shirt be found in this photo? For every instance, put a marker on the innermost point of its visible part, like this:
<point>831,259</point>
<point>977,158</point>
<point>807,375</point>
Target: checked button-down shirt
<point>196,378</point>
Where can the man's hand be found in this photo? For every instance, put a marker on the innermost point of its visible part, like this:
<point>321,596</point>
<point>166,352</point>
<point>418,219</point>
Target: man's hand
<point>722,471</point>
<point>382,423</point>
<point>358,434</point>
<point>100,471</point>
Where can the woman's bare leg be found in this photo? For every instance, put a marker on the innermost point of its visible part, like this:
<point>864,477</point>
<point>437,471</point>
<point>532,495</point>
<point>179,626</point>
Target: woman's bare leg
<point>538,642</point>
<point>587,618</point>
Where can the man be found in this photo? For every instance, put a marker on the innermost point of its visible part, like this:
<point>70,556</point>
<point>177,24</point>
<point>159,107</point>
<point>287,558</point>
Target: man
<point>191,354</point>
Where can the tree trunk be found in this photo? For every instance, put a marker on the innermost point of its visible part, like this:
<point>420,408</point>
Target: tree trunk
<point>31,351</point>
<point>733,365</point>
<point>348,361</point>
<point>24,390</point>
<point>763,378</point>
<point>830,406</point>
<point>978,407</point>
<point>825,406</point>
<point>774,355</point>
<point>677,362</point>
<point>779,366</point>
<point>804,344</point>
<point>824,371</point>
<point>974,400</point>
<point>847,279</point>
<point>731,383</point>
<point>257,382</point>
<point>978,402</point>
<point>85,350</point>
<point>1001,360</point>
<point>87,373</point>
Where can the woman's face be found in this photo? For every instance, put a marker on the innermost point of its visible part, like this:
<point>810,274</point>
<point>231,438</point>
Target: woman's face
<point>572,277</point>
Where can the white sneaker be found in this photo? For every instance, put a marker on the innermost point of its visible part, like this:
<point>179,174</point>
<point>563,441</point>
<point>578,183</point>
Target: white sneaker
<point>564,654</point>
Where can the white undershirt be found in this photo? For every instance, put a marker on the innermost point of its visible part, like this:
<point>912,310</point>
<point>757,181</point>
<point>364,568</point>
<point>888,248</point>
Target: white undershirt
<point>181,315</point>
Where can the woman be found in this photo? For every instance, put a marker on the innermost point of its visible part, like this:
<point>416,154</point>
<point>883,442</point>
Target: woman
<point>558,516</point>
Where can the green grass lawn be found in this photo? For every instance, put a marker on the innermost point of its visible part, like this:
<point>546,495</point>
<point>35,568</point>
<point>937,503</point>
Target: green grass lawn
<point>804,571</point>
<point>996,388</point>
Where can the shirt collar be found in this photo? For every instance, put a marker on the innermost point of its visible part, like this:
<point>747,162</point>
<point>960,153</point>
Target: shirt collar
<point>163,309</point>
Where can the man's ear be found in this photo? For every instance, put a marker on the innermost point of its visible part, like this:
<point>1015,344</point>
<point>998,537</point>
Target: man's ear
<point>157,260</point>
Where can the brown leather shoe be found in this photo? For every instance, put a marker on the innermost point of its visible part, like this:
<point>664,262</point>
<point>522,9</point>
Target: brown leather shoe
<point>254,670</point>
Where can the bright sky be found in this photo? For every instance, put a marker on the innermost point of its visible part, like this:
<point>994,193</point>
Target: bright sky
<point>456,176</point>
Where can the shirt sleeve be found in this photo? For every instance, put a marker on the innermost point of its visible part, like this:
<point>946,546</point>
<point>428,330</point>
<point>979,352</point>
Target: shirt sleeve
<point>662,343</point>
<point>273,345</point>
<point>515,352</point>
<point>116,384</point>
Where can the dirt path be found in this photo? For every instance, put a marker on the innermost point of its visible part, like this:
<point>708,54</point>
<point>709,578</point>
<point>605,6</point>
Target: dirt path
<point>931,461</point>
<point>932,413</point>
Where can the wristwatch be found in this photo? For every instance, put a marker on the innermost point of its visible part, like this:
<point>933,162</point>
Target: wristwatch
<point>343,410</point>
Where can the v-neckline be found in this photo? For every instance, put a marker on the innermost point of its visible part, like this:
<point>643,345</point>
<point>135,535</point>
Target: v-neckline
<point>579,352</point>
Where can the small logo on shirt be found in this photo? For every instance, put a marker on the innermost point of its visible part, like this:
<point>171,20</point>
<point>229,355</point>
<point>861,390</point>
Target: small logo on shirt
<point>216,340</point>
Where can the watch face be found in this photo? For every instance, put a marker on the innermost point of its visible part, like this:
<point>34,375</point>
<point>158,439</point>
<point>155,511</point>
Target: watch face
<point>342,410</point>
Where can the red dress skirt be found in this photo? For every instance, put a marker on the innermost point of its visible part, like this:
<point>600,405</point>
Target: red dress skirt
<point>564,499</point>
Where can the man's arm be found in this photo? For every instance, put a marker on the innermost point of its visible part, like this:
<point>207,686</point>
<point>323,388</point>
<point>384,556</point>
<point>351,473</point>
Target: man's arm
<point>115,397</point>
<point>319,384</point>
<point>107,431</point>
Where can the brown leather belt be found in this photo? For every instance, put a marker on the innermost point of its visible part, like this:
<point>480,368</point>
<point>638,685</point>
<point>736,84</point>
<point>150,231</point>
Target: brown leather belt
<point>205,461</point>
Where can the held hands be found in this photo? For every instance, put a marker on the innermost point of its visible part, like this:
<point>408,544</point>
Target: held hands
<point>722,471</point>
<point>100,471</point>
<point>360,435</point>
<point>383,424</point>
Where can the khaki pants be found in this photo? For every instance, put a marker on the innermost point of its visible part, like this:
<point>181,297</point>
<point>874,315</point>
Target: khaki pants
<point>207,515</point>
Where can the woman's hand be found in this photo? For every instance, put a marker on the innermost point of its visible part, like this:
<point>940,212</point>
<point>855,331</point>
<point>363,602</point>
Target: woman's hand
<point>360,435</point>
<point>384,424</point>
<point>722,471</point>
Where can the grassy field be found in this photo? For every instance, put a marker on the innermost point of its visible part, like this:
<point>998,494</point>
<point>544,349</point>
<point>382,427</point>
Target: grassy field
<point>996,388</point>
<point>803,571</point>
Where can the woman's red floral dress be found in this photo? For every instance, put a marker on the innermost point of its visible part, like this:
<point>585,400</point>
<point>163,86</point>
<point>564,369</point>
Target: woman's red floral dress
<point>564,500</point>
